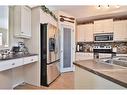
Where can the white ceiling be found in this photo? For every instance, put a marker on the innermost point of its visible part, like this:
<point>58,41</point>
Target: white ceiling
<point>85,12</point>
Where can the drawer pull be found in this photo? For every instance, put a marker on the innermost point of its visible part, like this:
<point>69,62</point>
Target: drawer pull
<point>13,63</point>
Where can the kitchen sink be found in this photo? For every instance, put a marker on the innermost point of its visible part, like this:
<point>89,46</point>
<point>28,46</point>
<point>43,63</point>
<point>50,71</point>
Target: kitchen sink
<point>123,59</point>
<point>106,61</point>
<point>120,61</point>
<point>108,65</point>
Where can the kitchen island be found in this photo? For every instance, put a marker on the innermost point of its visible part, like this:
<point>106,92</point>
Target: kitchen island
<point>94,75</point>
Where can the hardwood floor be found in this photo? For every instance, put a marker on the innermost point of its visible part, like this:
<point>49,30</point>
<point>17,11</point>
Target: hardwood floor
<point>65,81</point>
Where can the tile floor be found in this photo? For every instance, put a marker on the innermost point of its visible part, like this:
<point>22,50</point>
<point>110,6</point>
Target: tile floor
<point>65,81</point>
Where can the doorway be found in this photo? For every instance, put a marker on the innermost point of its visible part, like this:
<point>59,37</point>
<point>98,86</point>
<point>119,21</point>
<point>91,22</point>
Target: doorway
<point>66,48</point>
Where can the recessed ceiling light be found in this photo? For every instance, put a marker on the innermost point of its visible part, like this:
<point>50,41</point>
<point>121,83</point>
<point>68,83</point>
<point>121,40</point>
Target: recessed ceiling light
<point>107,6</point>
<point>98,7</point>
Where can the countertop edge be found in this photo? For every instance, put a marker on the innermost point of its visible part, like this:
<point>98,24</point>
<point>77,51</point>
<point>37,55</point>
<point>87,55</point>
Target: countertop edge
<point>102,75</point>
<point>19,57</point>
<point>102,53</point>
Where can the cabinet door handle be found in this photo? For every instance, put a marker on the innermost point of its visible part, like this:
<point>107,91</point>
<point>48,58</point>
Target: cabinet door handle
<point>21,32</point>
<point>31,59</point>
<point>13,63</point>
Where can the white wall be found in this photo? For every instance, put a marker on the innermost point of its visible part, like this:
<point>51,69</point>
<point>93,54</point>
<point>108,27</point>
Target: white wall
<point>32,72</point>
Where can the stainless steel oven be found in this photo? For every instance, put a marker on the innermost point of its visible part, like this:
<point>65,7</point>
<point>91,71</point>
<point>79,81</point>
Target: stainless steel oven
<point>103,37</point>
<point>107,50</point>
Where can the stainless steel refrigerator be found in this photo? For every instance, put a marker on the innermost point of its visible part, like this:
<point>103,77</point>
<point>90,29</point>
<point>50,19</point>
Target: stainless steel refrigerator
<point>50,53</point>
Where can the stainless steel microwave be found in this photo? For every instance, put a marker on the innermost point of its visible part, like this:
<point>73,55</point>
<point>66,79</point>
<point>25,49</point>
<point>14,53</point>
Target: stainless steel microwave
<point>103,37</point>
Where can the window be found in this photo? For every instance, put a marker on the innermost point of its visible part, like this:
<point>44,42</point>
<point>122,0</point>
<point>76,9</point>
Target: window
<point>1,39</point>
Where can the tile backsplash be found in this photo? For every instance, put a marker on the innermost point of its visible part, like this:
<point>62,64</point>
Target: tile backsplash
<point>121,46</point>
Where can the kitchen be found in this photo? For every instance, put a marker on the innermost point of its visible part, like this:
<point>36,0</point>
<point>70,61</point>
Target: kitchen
<point>104,40</point>
<point>42,46</point>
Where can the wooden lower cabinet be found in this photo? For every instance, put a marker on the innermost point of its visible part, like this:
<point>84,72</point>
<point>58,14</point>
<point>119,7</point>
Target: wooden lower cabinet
<point>83,56</point>
<point>16,71</point>
<point>105,55</point>
<point>87,80</point>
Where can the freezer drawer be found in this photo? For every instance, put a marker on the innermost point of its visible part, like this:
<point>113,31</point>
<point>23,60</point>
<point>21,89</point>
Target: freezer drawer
<point>52,72</point>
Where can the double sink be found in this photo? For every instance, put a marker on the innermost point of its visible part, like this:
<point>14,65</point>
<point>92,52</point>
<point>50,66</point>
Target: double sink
<point>118,60</point>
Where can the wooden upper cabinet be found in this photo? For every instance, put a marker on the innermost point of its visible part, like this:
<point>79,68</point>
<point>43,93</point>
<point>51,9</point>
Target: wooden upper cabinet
<point>89,32</point>
<point>85,33</point>
<point>22,21</point>
<point>98,26</point>
<point>108,25</point>
<point>26,21</point>
<point>80,33</point>
<point>120,30</point>
<point>103,26</point>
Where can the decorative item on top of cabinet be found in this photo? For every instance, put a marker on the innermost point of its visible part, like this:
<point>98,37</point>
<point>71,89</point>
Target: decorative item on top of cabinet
<point>22,21</point>
<point>103,26</point>
<point>45,9</point>
<point>67,19</point>
<point>71,18</point>
<point>63,19</point>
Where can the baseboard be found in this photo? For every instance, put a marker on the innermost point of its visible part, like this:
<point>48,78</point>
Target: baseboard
<point>67,70</point>
<point>33,83</point>
<point>17,84</point>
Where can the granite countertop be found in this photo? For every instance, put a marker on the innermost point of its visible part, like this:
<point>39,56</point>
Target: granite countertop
<point>121,53</point>
<point>84,52</point>
<point>17,56</point>
<point>99,53</point>
<point>114,73</point>
<point>93,52</point>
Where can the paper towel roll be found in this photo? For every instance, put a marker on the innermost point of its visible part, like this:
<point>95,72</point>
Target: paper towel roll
<point>114,49</point>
